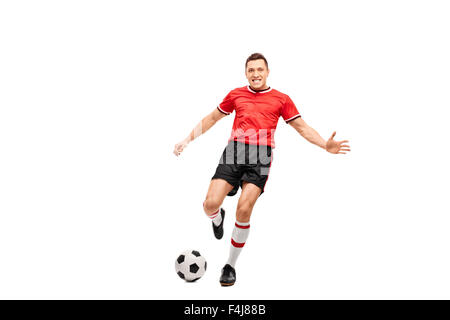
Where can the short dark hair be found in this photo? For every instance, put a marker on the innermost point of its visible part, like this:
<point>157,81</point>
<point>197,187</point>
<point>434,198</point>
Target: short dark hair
<point>256,56</point>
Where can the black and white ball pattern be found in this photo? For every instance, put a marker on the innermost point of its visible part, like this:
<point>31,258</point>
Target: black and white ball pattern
<point>190,265</point>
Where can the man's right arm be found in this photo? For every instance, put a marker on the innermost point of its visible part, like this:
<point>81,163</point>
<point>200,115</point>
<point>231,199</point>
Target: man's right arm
<point>203,126</point>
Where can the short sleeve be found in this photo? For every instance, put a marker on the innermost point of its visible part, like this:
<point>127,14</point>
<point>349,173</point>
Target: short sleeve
<point>227,105</point>
<point>289,111</point>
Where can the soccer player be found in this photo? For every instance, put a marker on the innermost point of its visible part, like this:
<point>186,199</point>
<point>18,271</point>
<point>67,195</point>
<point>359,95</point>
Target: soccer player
<point>246,160</point>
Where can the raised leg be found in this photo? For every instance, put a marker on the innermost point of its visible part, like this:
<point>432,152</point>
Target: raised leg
<point>218,190</point>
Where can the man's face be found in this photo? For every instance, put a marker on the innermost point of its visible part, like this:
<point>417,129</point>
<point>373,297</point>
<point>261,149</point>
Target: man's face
<point>257,73</point>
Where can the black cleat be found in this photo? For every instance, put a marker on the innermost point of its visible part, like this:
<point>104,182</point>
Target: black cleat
<point>228,277</point>
<point>218,230</point>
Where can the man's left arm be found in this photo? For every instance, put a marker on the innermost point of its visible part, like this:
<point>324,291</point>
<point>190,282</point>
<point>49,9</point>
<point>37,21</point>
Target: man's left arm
<point>330,145</point>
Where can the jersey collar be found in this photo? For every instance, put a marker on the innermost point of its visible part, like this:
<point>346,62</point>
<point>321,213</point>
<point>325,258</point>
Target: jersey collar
<point>260,91</point>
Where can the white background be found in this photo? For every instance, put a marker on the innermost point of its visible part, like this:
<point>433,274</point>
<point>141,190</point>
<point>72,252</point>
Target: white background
<point>94,95</point>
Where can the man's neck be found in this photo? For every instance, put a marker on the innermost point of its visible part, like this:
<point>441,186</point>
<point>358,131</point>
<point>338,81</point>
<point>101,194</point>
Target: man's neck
<point>262,89</point>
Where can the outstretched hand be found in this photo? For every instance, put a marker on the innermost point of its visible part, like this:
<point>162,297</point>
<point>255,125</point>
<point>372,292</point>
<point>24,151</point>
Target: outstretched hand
<point>179,147</point>
<point>336,147</point>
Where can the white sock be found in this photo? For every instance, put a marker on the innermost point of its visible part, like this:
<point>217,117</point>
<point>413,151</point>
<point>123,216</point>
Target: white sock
<point>216,218</point>
<point>238,239</point>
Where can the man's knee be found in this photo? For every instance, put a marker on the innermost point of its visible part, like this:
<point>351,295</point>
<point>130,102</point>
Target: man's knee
<point>244,211</point>
<point>211,205</point>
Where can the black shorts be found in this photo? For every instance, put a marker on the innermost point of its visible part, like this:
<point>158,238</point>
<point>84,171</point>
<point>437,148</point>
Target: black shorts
<point>243,162</point>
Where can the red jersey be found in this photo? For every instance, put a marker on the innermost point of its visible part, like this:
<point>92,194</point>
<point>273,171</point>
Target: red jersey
<point>257,114</point>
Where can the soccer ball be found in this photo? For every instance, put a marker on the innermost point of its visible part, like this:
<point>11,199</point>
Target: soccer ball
<point>190,265</point>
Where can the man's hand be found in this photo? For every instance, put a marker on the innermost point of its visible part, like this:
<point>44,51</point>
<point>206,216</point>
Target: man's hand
<point>179,147</point>
<point>204,125</point>
<point>333,146</point>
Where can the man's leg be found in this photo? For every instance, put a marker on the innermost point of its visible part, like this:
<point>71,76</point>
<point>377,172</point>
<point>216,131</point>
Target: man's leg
<point>218,190</point>
<point>247,200</point>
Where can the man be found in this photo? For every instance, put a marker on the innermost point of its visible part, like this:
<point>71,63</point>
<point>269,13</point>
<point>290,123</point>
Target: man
<point>246,160</point>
